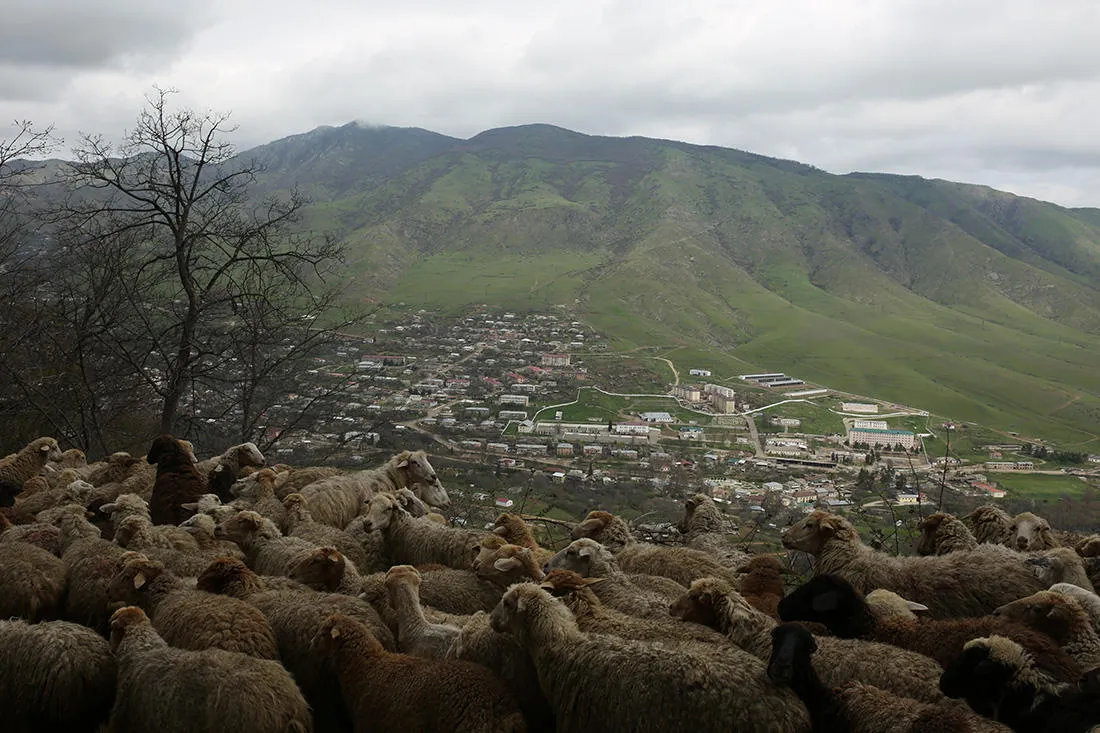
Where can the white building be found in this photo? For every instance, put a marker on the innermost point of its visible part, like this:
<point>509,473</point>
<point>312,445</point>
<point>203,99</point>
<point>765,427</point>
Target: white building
<point>861,407</point>
<point>870,425</point>
<point>699,372</point>
<point>657,417</point>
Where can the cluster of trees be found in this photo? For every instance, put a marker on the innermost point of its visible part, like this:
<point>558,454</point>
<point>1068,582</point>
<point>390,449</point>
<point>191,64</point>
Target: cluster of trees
<point>147,288</point>
<point>1059,456</point>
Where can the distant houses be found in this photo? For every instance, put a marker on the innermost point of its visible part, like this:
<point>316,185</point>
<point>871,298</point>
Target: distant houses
<point>884,438</point>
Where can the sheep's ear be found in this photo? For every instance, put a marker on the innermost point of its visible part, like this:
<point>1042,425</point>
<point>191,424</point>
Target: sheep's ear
<point>403,464</point>
<point>826,602</point>
<point>914,606</point>
<point>521,602</point>
<point>108,508</point>
<point>45,449</point>
<point>335,632</point>
<point>190,506</point>
<point>505,564</point>
<point>592,581</point>
<point>139,580</point>
<point>584,551</point>
<point>500,531</point>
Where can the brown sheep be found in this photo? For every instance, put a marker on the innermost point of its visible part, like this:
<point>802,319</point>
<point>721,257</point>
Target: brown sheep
<point>169,690</point>
<point>971,583</point>
<point>327,570</point>
<point>515,531</point>
<point>192,619</point>
<point>941,533</point>
<point>704,527</point>
<point>178,481</point>
<point>610,531</point>
<point>299,523</point>
<point>33,582</point>
<point>990,525</point>
<point>1063,619</point>
<point>395,692</point>
<point>762,584</point>
<point>415,634</point>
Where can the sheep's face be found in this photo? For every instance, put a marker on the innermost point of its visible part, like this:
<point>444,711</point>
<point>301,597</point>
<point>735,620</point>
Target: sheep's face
<point>247,454</point>
<point>507,565</point>
<point>239,528</point>
<point>47,450</point>
<point>322,570</point>
<point>129,582</point>
<point>1045,611</point>
<point>382,511</point>
<point>202,524</point>
<point>1031,532</point>
<point>124,619</point>
<point>508,616</point>
<point>979,677</point>
<point>929,534</point>
<point>792,647</point>
<point>411,503</point>
<point>578,557</point>
<point>419,473</point>
<point>402,575</point>
<point>811,534</point>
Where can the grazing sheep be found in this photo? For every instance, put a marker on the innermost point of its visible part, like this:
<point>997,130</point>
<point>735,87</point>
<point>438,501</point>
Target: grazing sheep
<point>515,531</point>
<point>1063,619</point>
<point>415,634</point>
<point>177,481</point>
<point>267,551</point>
<point>299,523</point>
<point>941,533</point>
<point>762,584</point>
<point>191,619</point>
<point>1000,680</point>
<point>704,527</point>
<point>164,689</point>
<point>1031,533</point>
<point>854,707</point>
<point>833,601</point>
<point>395,692</point>
<point>29,461</point>
<point>33,582</point>
<point>971,583</point>
<point>410,541</point>
<point>58,676</point>
<point>596,618</point>
<point>596,682</point>
<point>295,617</point>
<point>713,603</point>
<point>990,525</point>
<point>590,559</point>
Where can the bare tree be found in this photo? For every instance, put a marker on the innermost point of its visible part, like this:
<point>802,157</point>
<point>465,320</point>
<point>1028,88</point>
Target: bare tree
<point>208,297</point>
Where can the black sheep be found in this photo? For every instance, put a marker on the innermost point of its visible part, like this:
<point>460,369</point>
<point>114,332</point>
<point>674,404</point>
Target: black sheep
<point>178,481</point>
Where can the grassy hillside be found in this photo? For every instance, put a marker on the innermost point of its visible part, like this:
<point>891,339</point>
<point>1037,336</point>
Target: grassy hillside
<point>958,299</point>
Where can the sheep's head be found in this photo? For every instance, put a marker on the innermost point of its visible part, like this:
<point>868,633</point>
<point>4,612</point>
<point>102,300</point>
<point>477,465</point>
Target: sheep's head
<point>44,450</point>
<point>418,471</point>
<point>247,454</point>
<point>402,575</point>
<point>383,511</point>
<point>323,569</point>
<point>411,503</point>
<point>229,576</point>
<point>566,583</point>
<point>1089,547</point>
<point>126,505</point>
<point>124,619</point>
<point>885,604</point>
<point>339,631</point>
<point>241,528</point>
<point>508,564</point>
<point>122,460</point>
<point>701,515</point>
<point>592,526</point>
<point>135,574</point>
<point>526,610</point>
<point>295,504</point>
<point>703,603</point>
<point>988,671</point>
<point>38,483</point>
<point>134,529</point>
<point>167,451</point>
<point>1052,613</point>
<point>792,647</point>
<point>74,458</point>
<point>582,556</point>
<point>199,524</point>
<point>1031,532</point>
<point>814,531</point>
<point>763,574</point>
<point>929,532</point>
<point>511,527</point>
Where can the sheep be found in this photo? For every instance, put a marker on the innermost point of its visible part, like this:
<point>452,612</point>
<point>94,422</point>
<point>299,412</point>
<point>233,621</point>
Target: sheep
<point>267,551</point>
<point>233,460</point>
<point>714,603</point>
<point>762,584</point>
<point>130,507</point>
<point>177,481</point>
<point>295,617</point>
<point>74,492</point>
<point>58,676</point>
<point>415,634</point>
<point>161,688</point>
<point>704,527</point>
<point>211,504</point>
<point>596,682</point>
<point>29,461</point>
<point>191,619</point>
<point>1090,602</point>
<point>73,458</point>
<point>90,563</point>
<point>337,500</point>
<point>395,692</point>
<point>515,531</point>
<point>1089,546</point>
<point>372,542</point>
<point>326,569</point>
<point>33,582</point>
<point>1032,532</point>
<point>855,707</point>
<point>594,617</point>
<point>1000,680</point>
<point>114,470</point>
<point>941,533</point>
<point>833,601</point>
<point>410,541</point>
<point>299,523</point>
<point>201,527</point>
<point>257,493</point>
<point>1063,619</point>
<point>590,559</point>
<point>681,564</point>
<point>40,534</point>
<point>610,531</point>
<point>296,479</point>
<point>990,525</point>
<point>971,583</point>
<point>413,504</point>
<point>1060,565</point>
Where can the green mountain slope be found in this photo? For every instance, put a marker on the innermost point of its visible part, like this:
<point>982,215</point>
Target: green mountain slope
<point>959,299</point>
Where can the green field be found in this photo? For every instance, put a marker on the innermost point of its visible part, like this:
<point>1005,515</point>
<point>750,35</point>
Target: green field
<point>816,420</point>
<point>1038,486</point>
<point>595,406</point>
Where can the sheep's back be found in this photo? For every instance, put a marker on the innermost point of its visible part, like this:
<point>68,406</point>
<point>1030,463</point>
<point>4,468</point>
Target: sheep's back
<point>681,564</point>
<point>335,501</point>
<point>33,581</point>
<point>890,668</point>
<point>192,619</point>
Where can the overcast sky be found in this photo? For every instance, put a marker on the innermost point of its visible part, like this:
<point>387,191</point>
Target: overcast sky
<point>1000,92</point>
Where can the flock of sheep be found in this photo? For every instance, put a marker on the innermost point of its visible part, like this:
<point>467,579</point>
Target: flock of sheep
<point>167,594</point>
